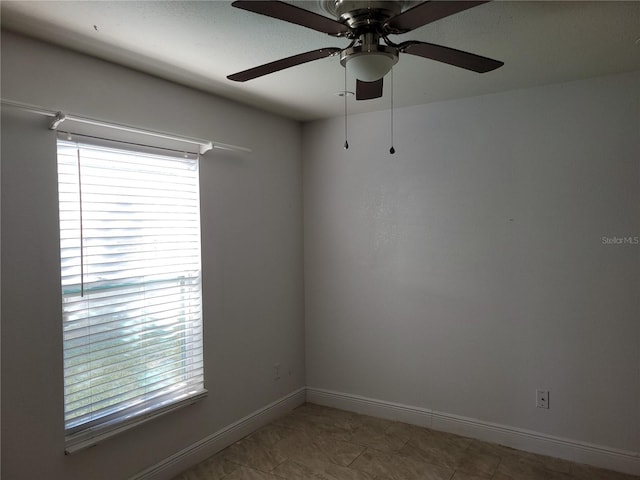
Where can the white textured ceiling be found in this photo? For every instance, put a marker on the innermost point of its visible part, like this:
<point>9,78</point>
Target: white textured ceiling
<point>199,43</point>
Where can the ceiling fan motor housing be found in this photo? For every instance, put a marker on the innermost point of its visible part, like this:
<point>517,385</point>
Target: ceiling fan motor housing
<point>363,14</point>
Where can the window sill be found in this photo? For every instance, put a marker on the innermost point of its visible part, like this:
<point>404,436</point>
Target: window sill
<point>91,437</point>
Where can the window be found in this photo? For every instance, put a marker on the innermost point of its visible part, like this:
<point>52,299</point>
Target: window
<point>131,289</point>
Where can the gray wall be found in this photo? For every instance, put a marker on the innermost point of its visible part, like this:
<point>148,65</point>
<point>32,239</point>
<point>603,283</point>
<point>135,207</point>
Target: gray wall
<point>468,270</point>
<point>251,254</point>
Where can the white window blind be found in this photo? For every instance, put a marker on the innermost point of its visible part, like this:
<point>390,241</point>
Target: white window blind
<point>131,289</point>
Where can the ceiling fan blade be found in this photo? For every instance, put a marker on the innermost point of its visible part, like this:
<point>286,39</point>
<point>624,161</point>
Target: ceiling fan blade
<point>281,64</point>
<point>427,12</point>
<point>292,14</point>
<point>368,90</point>
<point>458,58</point>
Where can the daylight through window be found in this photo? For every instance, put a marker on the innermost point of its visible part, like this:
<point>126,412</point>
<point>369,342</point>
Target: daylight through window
<point>131,291</point>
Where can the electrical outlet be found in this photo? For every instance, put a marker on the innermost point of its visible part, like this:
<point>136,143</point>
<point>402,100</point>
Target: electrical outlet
<point>276,371</point>
<point>542,398</point>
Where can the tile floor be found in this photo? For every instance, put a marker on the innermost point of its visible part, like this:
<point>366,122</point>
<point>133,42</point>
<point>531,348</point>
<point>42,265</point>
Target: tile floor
<point>320,443</point>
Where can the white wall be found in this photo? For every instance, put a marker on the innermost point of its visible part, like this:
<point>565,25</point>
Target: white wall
<point>251,254</point>
<point>468,270</point>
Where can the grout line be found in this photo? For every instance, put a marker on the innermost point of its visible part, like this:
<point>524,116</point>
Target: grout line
<point>497,468</point>
<point>359,455</point>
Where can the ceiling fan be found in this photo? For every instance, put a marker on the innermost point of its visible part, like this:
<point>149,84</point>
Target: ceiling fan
<point>367,24</point>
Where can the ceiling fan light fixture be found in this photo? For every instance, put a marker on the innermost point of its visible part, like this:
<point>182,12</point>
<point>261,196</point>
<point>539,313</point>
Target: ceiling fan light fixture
<point>369,63</point>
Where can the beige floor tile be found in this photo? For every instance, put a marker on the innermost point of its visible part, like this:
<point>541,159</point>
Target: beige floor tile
<point>340,425</point>
<point>373,424</point>
<point>491,448</point>
<point>317,445</point>
<point>334,431</point>
<point>427,437</point>
<point>213,468</point>
<point>339,452</point>
<point>385,442</point>
<point>396,466</point>
<point>548,463</point>
<point>251,452</point>
<point>539,475</point>
<point>381,434</point>
<point>328,415</point>
<point>318,470</point>
<point>247,473</point>
<point>521,468</point>
<point>586,472</point>
<point>292,470</point>
<point>479,461</point>
<point>303,422</point>
<point>438,448</point>
<point>466,476</point>
<point>299,444</point>
<point>405,430</point>
<point>271,434</point>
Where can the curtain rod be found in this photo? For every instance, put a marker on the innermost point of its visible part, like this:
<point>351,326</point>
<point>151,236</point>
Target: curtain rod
<point>60,117</point>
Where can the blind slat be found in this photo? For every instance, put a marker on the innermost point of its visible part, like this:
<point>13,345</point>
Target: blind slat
<point>74,365</point>
<point>160,398</point>
<point>123,295</point>
<point>115,338</point>
<point>77,387</point>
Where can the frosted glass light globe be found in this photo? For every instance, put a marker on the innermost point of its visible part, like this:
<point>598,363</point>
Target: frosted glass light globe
<point>369,67</point>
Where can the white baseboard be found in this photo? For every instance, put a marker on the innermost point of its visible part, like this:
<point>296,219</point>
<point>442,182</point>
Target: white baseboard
<point>535,442</point>
<point>197,452</point>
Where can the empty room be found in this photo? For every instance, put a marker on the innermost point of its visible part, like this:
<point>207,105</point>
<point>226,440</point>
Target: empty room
<point>322,239</point>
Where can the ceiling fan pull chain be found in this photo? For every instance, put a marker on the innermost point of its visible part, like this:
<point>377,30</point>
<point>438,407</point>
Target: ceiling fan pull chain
<point>346,143</point>
<point>392,150</point>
